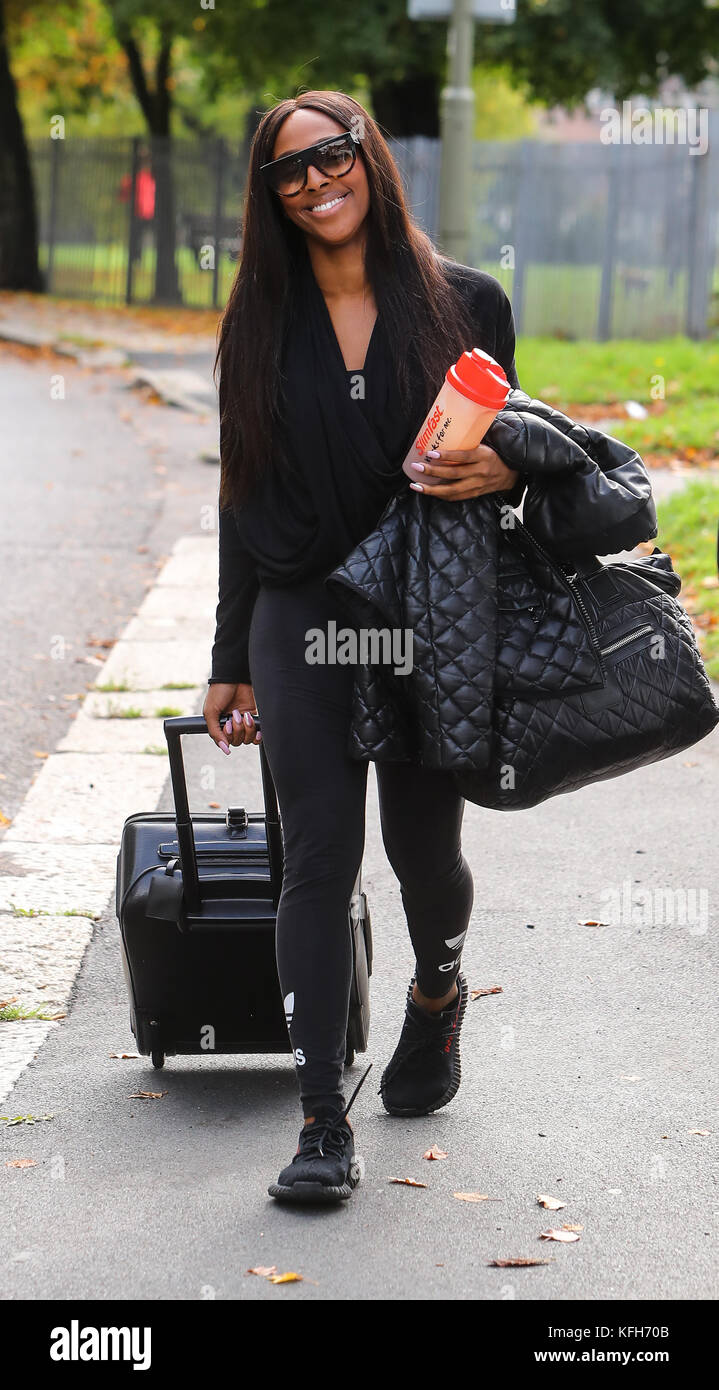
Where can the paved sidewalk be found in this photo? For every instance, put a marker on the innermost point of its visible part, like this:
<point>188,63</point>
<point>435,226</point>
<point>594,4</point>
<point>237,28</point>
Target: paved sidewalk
<point>590,1077</point>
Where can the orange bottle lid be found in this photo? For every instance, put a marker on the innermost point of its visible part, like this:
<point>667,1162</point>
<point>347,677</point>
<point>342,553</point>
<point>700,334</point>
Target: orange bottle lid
<point>480,378</point>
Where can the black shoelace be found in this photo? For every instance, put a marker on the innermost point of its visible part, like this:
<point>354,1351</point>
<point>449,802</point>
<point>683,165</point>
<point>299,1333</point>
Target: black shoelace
<point>327,1136</point>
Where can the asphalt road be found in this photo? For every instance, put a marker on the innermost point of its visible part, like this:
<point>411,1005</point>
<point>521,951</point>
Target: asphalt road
<point>583,1079</point>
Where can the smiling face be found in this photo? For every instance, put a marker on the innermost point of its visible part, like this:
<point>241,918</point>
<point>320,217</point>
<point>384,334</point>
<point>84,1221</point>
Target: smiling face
<point>341,222</point>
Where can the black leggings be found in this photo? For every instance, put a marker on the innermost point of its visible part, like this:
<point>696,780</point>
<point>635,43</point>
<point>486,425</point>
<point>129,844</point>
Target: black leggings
<point>305,711</point>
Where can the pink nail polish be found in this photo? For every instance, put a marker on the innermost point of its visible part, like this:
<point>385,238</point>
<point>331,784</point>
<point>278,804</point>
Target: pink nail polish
<point>432,454</point>
<point>417,487</point>
<point>259,738</point>
<point>224,747</point>
<point>248,719</point>
<point>420,466</point>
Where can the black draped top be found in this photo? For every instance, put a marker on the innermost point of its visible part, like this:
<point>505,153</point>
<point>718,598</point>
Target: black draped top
<point>348,437</point>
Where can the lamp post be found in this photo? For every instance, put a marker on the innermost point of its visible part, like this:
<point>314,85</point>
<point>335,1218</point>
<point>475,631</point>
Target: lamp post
<point>457,110</point>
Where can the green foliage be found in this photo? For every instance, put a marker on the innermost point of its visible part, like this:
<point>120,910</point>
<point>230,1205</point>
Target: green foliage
<point>688,532</point>
<point>563,48</point>
<point>619,370</point>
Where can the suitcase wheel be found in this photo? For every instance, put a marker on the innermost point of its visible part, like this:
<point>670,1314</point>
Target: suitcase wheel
<point>158,1059</point>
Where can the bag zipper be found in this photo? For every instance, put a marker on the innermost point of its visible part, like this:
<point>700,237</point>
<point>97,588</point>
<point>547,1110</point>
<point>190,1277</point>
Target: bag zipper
<point>574,590</point>
<point>556,565</point>
<point>626,639</point>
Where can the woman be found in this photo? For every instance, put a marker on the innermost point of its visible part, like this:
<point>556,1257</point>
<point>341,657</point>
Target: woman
<point>340,326</point>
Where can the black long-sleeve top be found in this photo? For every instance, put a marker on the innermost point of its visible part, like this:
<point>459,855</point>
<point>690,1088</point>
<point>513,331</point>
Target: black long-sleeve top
<point>241,572</point>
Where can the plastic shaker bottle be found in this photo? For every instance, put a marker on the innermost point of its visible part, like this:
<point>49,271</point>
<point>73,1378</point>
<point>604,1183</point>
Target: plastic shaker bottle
<point>474,390</point>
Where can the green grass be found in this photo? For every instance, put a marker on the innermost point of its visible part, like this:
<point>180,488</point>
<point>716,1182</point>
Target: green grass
<point>568,375</point>
<point>132,712</point>
<point>681,431</point>
<point>113,685</point>
<point>688,531</point>
<point>620,370</point>
<point>45,912</point>
<point>178,685</point>
<point>100,272</point>
<point>12,1013</point>
<point>157,749</point>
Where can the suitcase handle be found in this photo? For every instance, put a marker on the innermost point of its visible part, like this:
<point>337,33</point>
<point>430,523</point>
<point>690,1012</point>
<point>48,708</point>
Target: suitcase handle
<point>174,728</point>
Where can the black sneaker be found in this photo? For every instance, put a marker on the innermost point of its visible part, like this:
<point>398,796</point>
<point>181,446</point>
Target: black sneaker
<point>425,1071</point>
<point>325,1167</point>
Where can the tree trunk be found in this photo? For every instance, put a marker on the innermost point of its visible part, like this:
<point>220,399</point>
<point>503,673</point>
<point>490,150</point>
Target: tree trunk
<point>156,108</point>
<point>167,283</point>
<point>19,267</point>
<point>408,107</point>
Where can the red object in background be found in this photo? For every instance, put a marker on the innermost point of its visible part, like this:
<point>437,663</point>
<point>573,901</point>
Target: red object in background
<point>144,194</point>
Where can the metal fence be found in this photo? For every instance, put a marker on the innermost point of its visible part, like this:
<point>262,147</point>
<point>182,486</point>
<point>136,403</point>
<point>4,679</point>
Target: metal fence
<point>589,240</point>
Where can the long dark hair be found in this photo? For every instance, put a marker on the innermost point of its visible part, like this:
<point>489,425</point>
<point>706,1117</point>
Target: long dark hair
<point>417,303</point>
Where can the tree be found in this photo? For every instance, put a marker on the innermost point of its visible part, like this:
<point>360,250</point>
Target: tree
<point>19,267</point>
<point>563,48</point>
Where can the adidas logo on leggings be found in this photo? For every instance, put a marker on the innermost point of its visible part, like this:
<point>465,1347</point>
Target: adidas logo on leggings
<point>453,941</point>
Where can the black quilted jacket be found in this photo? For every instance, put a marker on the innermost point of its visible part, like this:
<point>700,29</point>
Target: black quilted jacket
<point>438,567</point>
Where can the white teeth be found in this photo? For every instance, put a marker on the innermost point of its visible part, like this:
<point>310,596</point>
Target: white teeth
<point>322,207</point>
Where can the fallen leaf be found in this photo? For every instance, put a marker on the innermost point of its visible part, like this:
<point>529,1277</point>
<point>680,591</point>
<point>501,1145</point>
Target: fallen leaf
<point>519,1263</point>
<point>591,922</point>
<point>147,1095</point>
<point>475,1197</point>
<point>123,1054</point>
<point>37,754</point>
<point>24,1119</point>
<point>690,764</point>
<point>551,1203</point>
<point>214,805</point>
<point>4,820</point>
<point>568,1227</point>
<point>408,1182</point>
<point>289,1278</point>
<point>698,1131</point>
<point>264,1271</point>
<point>558,1235</point>
<point>4,1002</point>
<point>480,993</point>
<point>21,1163</point>
<point>434,1152</point>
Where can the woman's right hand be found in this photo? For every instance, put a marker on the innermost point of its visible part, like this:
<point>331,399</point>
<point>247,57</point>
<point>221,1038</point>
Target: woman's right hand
<point>239,701</point>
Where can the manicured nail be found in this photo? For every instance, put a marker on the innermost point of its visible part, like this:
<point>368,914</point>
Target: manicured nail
<point>224,747</point>
<point>417,487</point>
<point>259,738</point>
<point>420,466</point>
<point>228,727</point>
<point>248,719</point>
<point>432,454</point>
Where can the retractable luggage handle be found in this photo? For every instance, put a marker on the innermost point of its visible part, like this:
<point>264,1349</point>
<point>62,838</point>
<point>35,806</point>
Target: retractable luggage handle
<point>196,724</point>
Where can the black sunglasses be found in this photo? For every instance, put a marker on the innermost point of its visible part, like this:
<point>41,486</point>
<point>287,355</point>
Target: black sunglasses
<point>333,157</point>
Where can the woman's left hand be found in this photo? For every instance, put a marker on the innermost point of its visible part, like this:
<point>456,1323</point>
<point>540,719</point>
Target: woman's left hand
<point>460,473</point>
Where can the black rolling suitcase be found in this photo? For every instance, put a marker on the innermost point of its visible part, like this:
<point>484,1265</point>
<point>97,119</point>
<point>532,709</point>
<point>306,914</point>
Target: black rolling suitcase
<point>196,899</point>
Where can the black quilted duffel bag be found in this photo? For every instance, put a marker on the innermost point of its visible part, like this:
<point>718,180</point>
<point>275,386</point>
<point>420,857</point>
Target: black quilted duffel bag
<point>597,672</point>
